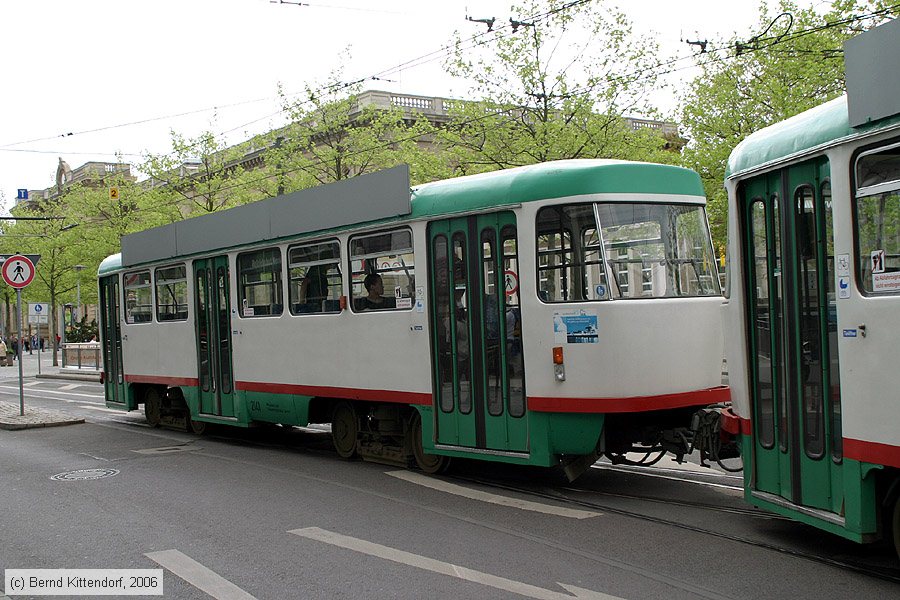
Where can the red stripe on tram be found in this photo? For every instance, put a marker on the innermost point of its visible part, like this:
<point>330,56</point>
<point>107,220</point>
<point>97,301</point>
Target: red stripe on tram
<point>630,404</point>
<point>158,379</point>
<point>335,392</point>
<point>872,452</point>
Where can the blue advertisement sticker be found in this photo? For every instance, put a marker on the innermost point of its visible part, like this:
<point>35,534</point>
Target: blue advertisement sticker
<point>575,328</point>
<point>849,333</point>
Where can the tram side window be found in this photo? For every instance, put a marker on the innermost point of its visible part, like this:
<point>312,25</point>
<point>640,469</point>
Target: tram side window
<point>878,221</point>
<point>570,264</point>
<point>382,267</point>
<point>315,278</point>
<point>259,283</point>
<point>171,294</point>
<point>658,250</point>
<point>138,297</point>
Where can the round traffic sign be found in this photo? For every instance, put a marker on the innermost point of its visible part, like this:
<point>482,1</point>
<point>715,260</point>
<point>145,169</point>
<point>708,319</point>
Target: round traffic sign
<point>511,282</point>
<point>18,271</point>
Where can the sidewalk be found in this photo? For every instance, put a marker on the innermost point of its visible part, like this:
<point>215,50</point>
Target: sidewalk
<point>38,417</point>
<point>47,370</point>
<point>33,417</point>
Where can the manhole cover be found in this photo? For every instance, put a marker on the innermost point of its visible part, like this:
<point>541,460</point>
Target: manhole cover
<point>85,474</point>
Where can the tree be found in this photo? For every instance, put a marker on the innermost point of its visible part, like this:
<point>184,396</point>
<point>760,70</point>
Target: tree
<point>554,84</point>
<point>794,64</point>
<point>333,135</point>
<point>201,175</point>
<point>54,240</point>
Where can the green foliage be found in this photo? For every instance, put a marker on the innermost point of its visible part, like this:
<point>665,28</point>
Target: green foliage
<point>557,88</point>
<point>334,135</point>
<point>794,63</point>
<point>82,331</point>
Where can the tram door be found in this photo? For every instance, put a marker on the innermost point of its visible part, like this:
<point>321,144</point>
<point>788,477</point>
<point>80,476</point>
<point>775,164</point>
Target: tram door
<point>792,322</point>
<point>115,389</point>
<point>477,345</point>
<point>214,362</point>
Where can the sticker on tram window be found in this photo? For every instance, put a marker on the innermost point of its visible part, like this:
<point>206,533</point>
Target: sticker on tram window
<point>404,302</point>
<point>575,327</point>
<point>886,282</point>
<point>877,261</point>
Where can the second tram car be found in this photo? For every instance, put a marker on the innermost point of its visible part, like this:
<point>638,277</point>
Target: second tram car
<point>814,313</point>
<point>542,315</point>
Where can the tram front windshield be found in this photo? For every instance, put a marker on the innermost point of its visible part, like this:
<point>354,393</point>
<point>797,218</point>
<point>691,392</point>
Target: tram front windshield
<point>650,251</point>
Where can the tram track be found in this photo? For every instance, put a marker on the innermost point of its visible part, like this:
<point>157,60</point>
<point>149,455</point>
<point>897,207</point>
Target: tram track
<point>876,572</point>
<point>558,496</point>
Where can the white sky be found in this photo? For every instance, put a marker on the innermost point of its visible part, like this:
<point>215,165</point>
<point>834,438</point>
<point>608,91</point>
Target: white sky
<point>83,65</point>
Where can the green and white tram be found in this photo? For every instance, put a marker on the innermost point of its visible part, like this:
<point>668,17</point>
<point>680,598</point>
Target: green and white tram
<point>813,316</point>
<point>542,315</point>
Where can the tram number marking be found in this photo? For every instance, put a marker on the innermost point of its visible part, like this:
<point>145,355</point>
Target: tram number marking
<point>255,406</point>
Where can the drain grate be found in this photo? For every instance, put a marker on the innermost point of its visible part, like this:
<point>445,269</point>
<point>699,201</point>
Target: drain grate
<point>85,474</point>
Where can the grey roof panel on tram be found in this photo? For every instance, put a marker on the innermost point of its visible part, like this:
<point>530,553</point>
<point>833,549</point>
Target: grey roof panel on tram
<point>371,197</point>
<point>873,87</point>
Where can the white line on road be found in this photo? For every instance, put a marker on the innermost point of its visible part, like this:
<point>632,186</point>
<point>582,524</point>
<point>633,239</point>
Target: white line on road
<point>198,576</point>
<point>31,384</point>
<point>445,568</point>
<point>458,490</point>
<point>101,409</point>
<point>43,391</point>
<point>70,386</point>
<point>681,479</point>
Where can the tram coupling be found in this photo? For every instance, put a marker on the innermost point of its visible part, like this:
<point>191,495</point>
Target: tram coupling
<point>710,438</point>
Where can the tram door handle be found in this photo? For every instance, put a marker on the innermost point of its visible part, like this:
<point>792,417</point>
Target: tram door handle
<point>862,329</point>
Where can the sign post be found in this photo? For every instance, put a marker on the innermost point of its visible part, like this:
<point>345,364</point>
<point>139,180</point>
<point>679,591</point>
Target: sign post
<point>18,272</point>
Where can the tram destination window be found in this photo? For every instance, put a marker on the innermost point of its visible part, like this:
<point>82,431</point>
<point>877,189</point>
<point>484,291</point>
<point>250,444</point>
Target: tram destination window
<point>171,294</point>
<point>138,297</point>
<point>649,250</point>
<point>259,283</point>
<point>877,208</point>
<point>315,278</point>
<point>382,271</point>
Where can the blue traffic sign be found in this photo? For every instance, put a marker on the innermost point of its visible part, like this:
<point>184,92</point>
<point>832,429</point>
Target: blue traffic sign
<point>21,194</point>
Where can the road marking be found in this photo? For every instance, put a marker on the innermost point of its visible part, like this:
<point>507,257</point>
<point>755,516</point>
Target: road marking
<point>70,386</point>
<point>43,391</point>
<point>198,576</point>
<point>31,384</point>
<point>673,478</point>
<point>101,409</point>
<point>445,568</point>
<point>458,490</point>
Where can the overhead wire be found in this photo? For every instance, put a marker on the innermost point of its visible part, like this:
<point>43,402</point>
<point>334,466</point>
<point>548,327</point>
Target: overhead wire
<point>468,43</point>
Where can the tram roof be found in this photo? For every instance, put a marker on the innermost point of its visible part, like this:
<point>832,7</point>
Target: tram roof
<point>556,179</point>
<point>808,131</point>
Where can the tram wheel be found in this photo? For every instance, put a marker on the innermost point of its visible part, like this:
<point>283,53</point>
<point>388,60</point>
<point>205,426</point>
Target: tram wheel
<point>427,463</point>
<point>344,429</point>
<point>152,407</point>
<point>196,427</point>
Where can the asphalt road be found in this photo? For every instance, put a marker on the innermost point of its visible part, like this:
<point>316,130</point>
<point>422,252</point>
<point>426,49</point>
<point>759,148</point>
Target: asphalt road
<point>274,513</point>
